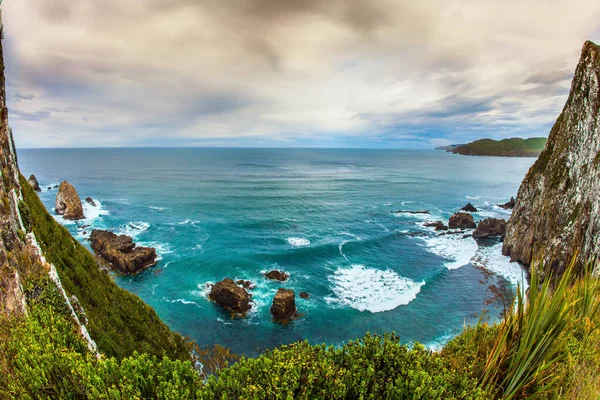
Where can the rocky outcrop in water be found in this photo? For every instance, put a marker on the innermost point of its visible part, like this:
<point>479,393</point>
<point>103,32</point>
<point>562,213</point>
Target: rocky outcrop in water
<point>469,208</point>
<point>461,220</point>
<point>90,201</point>
<point>283,308</point>
<point>438,225</point>
<point>490,227</point>
<point>557,213</point>
<point>68,203</point>
<point>33,182</point>
<point>509,205</point>
<point>277,276</point>
<point>121,252</point>
<point>231,297</point>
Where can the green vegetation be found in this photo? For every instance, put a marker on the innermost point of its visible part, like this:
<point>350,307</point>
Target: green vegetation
<point>514,147</point>
<point>547,347</point>
<point>120,322</point>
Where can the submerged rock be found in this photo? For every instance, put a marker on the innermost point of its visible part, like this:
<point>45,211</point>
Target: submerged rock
<point>68,203</point>
<point>461,220</point>
<point>469,208</point>
<point>246,284</point>
<point>276,275</point>
<point>509,205</point>
<point>90,201</point>
<point>121,252</point>
<point>438,225</point>
<point>33,182</point>
<point>304,295</point>
<point>411,212</point>
<point>283,308</point>
<point>490,227</point>
<point>231,297</point>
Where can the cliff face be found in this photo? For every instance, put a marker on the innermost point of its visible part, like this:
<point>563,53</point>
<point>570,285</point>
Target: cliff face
<point>557,213</point>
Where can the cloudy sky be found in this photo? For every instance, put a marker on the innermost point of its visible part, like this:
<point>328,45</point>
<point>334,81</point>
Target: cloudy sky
<point>327,73</point>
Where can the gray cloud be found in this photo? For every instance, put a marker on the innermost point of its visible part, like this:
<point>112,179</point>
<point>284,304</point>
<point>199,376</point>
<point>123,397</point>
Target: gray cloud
<point>181,71</point>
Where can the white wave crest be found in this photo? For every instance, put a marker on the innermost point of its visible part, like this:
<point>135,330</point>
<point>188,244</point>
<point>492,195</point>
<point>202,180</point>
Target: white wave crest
<point>473,197</point>
<point>368,289</point>
<point>298,242</point>
<point>133,229</point>
<point>454,248</point>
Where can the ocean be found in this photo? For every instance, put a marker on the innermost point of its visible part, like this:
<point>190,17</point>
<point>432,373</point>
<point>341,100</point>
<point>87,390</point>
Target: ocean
<point>325,216</point>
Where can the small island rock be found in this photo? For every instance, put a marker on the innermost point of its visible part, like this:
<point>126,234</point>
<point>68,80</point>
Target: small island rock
<point>438,225</point>
<point>276,275</point>
<point>490,227</point>
<point>509,205</point>
<point>231,297</point>
<point>68,203</point>
<point>283,308</point>
<point>33,182</point>
<point>90,201</point>
<point>121,252</point>
<point>469,208</point>
<point>461,220</point>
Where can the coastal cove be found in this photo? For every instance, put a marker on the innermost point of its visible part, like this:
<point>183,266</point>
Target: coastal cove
<point>323,216</point>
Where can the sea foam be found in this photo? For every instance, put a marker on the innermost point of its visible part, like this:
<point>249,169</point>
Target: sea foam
<point>298,242</point>
<point>369,289</point>
<point>491,259</point>
<point>454,248</point>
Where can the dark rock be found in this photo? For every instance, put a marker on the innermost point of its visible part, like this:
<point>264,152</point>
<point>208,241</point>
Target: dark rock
<point>246,284</point>
<point>33,182</point>
<point>68,203</point>
<point>469,207</point>
<point>411,212</point>
<point>277,275</point>
<point>509,205</point>
<point>283,308</point>
<point>438,225</point>
<point>461,220</point>
<point>304,295</point>
<point>231,297</point>
<point>49,187</point>
<point>121,252</point>
<point>490,227</point>
<point>414,234</point>
<point>91,201</point>
<point>55,187</point>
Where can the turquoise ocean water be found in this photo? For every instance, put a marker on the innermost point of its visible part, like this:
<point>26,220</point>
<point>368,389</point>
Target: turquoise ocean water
<point>324,216</point>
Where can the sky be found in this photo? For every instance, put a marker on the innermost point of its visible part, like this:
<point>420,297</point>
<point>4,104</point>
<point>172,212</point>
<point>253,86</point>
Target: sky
<point>289,73</point>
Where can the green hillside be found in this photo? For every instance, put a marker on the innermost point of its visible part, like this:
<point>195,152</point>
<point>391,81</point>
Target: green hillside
<point>514,147</point>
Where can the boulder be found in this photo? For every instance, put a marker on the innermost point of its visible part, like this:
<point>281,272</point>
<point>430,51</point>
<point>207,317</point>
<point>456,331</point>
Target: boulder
<point>49,187</point>
<point>304,295</point>
<point>245,284</point>
<point>68,203</point>
<point>231,297</point>
<point>490,227</point>
<point>469,208</point>
<point>277,276</point>
<point>283,308</point>
<point>33,182</point>
<point>438,225</point>
<point>121,252</point>
<point>461,220</point>
<point>509,205</point>
<point>90,201</point>
<point>411,212</point>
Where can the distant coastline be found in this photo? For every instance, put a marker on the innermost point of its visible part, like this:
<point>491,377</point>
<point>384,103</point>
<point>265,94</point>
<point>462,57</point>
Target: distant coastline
<point>513,147</point>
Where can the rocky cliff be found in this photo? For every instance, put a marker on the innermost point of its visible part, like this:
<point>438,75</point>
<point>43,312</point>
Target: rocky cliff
<point>556,217</point>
